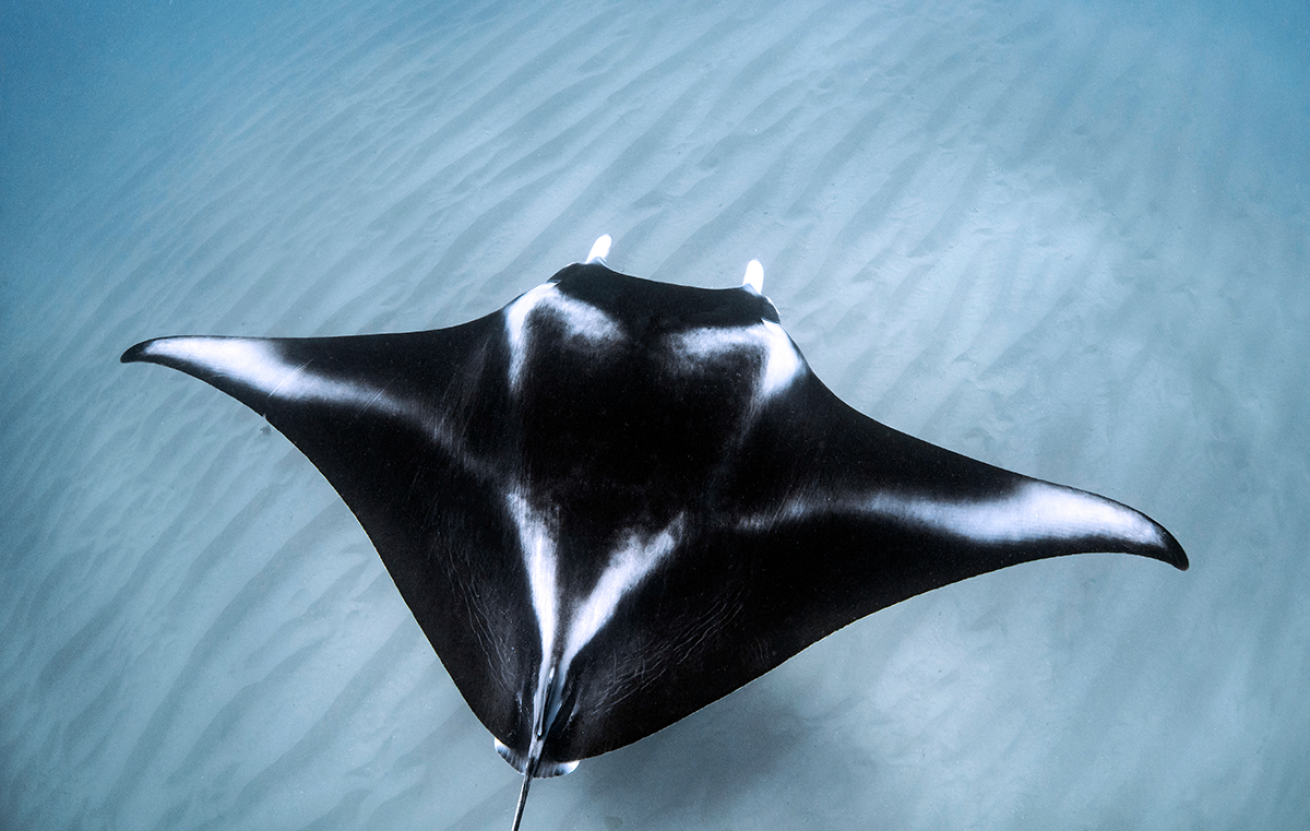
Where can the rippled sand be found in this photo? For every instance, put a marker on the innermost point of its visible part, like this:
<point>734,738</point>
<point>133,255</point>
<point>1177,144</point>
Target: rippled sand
<point>1069,242</point>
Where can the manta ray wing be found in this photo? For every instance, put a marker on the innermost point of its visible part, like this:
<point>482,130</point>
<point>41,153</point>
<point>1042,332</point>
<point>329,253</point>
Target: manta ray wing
<point>616,501</point>
<point>408,434</point>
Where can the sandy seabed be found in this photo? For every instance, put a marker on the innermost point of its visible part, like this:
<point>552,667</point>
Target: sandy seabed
<point>1067,239</point>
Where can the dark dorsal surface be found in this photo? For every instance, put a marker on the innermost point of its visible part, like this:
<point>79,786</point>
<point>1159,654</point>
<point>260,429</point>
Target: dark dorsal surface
<point>615,501</point>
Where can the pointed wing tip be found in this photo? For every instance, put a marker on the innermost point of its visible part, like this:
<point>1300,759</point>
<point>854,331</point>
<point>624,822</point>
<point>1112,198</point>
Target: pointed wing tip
<point>166,351</point>
<point>136,353</point>
<point>1152,540</point>
<point>1173,553</point>
<point>176,351</point>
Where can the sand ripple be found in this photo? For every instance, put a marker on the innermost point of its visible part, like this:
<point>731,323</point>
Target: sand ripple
<point>1068,241</point>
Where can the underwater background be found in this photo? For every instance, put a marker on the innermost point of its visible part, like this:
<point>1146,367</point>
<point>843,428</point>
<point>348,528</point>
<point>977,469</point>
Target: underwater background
<point>1070,239</point>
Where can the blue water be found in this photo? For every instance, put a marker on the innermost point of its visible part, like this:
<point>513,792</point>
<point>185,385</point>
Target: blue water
<point>1071,241</point>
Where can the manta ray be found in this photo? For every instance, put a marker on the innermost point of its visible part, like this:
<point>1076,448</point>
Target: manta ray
<point>615,501</point>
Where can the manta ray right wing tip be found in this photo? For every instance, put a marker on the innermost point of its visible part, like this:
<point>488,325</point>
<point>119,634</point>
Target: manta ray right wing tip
<point>1172,551</point>
<point>1132,532</point>
<point>1097,522</point>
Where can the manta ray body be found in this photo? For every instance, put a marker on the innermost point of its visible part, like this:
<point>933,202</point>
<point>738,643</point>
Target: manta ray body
<point>615,501</point>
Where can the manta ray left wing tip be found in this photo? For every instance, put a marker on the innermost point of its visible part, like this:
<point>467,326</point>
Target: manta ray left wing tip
<point>203,355</point>
<point>169,351</point>
<point>135,353</point>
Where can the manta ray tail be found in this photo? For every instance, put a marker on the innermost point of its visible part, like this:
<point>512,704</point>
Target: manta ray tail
<point>523,800</point>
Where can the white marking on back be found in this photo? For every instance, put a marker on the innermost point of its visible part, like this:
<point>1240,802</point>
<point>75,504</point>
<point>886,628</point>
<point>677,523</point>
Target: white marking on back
<point>540,559</point>
<point>780,362</point>
<point>1040,512</point>
<point>1035,512</point>
<point>582,321</point>
<point>516,317</point>
<point>261,364</point>
<point>636,556</point>
<point>537,543</point>
<point>629,564</point>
